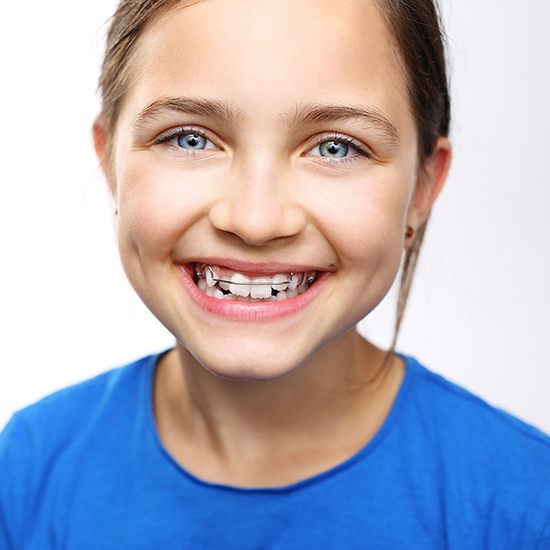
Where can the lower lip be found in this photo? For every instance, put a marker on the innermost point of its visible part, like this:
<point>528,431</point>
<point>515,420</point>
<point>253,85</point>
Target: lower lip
<point>251,311</point>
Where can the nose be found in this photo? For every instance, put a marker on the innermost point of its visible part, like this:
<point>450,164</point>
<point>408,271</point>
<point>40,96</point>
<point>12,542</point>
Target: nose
<point>257,204</point>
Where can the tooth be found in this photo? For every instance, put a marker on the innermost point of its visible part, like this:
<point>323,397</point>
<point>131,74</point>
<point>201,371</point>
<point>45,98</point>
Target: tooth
<point>210,291</point>
<point>218,293</point>
<point>217,270</point>
<point>239,289</point>
<point>260,291</point>
<point>209,279</point>
<point>295,280</point>
<point>239,278</point>
<point>281,295</point>
<point>292,293</point>
<point>202,284</point>
<point>278,279</point>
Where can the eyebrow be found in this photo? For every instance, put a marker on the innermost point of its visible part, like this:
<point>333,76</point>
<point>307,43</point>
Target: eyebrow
<point>315,113</point>
<point>307,113</point>
<point>210,108</point>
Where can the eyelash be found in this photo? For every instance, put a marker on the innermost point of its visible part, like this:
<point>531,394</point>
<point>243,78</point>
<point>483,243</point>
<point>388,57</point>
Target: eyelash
<point>363,152</point>
<point>176,132</point>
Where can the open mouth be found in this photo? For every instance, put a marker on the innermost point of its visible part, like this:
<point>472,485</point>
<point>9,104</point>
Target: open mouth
<point>226,284</point>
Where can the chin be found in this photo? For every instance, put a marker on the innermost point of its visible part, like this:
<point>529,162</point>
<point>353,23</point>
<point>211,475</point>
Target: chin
<point>248,372</point>
<point>243,354</point>
<point>247,364</point>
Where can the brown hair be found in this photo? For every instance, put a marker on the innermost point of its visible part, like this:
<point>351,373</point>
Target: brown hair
<point>117,71</point>
<point>418,32</point>
<point>418,35</point>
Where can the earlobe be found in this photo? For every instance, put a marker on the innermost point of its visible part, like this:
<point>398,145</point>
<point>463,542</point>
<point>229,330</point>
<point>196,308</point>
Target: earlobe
<point>431,179</point>
<point>101,140</point>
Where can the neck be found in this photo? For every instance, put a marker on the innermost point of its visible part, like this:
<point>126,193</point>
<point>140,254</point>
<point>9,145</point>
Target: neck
<point>335,391</point>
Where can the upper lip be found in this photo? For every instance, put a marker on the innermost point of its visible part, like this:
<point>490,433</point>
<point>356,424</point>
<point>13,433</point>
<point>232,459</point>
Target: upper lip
<point>254,267</point>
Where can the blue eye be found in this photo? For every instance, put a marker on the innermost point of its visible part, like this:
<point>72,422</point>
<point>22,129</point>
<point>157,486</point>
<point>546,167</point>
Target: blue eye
<point>339,150</point>
<point>333,149</point>
<point>191,141</point>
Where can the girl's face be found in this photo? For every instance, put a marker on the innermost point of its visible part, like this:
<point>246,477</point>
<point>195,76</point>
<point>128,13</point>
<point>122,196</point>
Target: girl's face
<point>264,140</point>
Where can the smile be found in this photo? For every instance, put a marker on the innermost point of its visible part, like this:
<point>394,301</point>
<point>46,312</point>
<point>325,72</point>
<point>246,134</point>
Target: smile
<point>223,284</point>
<point>251,294</point>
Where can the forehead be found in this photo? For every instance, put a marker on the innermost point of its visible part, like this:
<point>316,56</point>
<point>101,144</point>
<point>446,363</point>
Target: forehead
<point>263,56</point>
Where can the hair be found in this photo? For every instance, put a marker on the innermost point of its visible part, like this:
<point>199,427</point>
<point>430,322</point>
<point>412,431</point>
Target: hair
<point>418,35</point>
<point>418,32</point>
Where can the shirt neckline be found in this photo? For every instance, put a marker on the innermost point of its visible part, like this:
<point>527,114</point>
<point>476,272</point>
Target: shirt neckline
<point>410,368</point>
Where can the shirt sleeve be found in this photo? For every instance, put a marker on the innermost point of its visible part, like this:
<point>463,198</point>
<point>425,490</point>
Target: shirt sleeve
<point>15,469</point>
<point>544,540</point>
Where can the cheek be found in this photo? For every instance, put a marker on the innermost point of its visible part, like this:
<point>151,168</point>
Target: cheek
<point>157,204</point>
<point>363,217</point>
<point>365,227</point>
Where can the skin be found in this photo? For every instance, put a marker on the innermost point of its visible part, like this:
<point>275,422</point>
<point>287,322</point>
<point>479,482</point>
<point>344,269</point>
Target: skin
<point>268,404</point>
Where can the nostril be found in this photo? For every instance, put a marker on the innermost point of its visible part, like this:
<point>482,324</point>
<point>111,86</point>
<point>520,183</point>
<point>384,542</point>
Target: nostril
<point>255,219</point>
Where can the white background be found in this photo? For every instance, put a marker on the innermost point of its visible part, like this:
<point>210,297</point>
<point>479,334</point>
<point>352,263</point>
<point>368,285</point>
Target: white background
<point>480,309</point>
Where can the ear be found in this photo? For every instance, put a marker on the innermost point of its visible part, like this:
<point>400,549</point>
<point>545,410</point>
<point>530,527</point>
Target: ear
<point>101,141</point>
<point>431,177</point>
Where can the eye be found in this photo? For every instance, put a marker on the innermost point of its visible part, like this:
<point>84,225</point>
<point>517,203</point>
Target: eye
<point>333,149</point>
<point>191,141</point>
<point>187,140</point>
<point>338,149</point>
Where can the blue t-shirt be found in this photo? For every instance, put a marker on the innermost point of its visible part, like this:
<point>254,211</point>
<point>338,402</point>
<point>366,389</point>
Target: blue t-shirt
<point>85,469</point>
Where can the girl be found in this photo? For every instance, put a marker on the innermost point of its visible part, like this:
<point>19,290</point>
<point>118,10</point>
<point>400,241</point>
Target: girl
<point>270,165</point>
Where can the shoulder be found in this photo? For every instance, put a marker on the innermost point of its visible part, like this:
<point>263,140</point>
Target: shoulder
<point>490,459</point>
<point>465,415</point>
<point>73,406</point>
<point>58,428</point>
<point>57,417</point>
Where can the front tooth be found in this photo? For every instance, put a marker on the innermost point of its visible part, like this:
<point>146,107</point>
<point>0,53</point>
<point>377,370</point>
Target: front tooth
<point>260,291</point>
<point>281,295</point>
<point>239,289</point>
<point>278,280</point>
